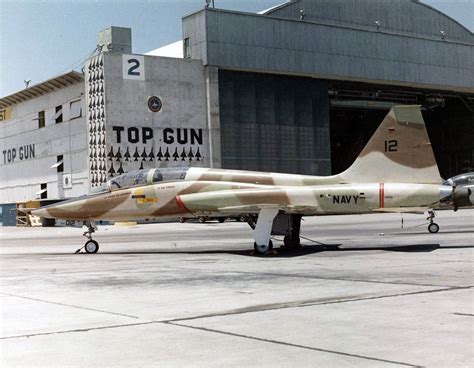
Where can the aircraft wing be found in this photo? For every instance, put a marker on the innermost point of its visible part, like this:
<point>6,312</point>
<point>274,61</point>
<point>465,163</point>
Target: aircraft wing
<point>415,210</point>
<point>255,208</point>
<point>244,201</point>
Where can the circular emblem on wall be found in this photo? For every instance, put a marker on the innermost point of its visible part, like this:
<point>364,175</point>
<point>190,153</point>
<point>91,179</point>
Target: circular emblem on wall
<point>154,103</point>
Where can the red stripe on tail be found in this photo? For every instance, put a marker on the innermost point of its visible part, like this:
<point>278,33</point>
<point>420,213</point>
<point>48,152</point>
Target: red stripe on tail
<point>381,195</point>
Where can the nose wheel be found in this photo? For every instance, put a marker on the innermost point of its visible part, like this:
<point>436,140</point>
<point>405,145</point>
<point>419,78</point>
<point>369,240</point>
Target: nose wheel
<point>91,245</point>
<point>433,227</point>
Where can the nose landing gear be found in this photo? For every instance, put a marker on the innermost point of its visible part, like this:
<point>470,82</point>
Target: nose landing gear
<point>91,246</point>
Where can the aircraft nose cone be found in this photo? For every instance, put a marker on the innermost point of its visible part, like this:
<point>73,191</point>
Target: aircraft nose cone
<point>41,212</point>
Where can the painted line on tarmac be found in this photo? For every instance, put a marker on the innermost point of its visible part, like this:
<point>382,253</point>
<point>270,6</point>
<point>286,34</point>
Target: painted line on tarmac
<point>293,345</point>
<point>68,305</point>
<point>464,314</point>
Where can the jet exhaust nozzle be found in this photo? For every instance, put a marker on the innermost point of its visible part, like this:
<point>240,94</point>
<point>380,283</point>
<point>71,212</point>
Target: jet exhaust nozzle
<point>459,197</point>
<point>462,197</point>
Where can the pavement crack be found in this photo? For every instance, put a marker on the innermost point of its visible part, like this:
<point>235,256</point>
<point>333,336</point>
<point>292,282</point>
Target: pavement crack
<point>68,305</point>
<point>315,277</point>
<point>310,303</point>
<point>78,330</point>
<point>271,341</point>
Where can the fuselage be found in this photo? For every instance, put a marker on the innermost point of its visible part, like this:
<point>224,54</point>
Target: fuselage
<point>219,198</point>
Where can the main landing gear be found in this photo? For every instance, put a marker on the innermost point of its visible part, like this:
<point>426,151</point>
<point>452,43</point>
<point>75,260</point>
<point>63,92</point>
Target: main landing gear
<point>263,229</point>
<point>270,222</point>
<point>91,245</point>
<point>433,227</point>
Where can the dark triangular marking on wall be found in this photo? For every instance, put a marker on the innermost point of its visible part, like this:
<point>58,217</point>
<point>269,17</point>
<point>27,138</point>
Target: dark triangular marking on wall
<point>135,154</point>
<point>151,155</point>
<point>167,154</point>
<point>112,170</point>
<point>176,154</point>
<point>110,155</point>
<point>144,156</point>
<point>191,154</point>
<point>141,166</point>
<point>183,155</point>
<point>198,155</point>
<point>127,155</point>
<point>159,156</point>
<point>118,155</point>
<point>120,169</point>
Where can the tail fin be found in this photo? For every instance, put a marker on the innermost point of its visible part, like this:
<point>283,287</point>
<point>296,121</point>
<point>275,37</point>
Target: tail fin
<point>399,151</point>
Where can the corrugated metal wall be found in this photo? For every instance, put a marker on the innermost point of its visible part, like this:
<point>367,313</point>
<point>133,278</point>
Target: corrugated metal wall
<point>274,123</point>
<point>332,51</point>
<point>409,16</point>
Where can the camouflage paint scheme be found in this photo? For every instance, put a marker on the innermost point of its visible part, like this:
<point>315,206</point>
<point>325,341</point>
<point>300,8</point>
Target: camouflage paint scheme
<point>396,171</point>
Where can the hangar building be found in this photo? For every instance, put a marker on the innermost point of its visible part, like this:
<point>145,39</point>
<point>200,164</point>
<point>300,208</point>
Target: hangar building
<point>298,88</point>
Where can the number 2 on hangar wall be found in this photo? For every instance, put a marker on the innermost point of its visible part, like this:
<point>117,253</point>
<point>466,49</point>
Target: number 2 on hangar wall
<point>133,67</point>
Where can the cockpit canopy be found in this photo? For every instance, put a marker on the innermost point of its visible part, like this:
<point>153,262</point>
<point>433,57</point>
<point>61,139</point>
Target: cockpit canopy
<point>145,177</point>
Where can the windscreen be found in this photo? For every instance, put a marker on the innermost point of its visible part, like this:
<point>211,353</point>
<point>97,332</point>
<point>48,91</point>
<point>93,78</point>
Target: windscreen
<point>127,180</point>
<point>169,174</point>
<point>146,177</point>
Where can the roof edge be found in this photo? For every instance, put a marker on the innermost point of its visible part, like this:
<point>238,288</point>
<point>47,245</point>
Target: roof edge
<point>42,88</point>
<point>420,2</point>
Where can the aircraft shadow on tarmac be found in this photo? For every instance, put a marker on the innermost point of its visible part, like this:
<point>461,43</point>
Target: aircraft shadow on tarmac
<point>303,251</point>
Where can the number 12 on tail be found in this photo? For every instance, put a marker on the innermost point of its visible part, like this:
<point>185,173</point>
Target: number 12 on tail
<point>391,145</point>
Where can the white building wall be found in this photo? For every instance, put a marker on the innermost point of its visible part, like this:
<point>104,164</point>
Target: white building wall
<point>135,136</point>
<point>21,177</point>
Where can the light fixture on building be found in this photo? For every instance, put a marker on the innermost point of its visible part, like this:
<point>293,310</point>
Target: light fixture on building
<point>302,14</point>
<point>443,34</point>
<point>378,24</point>
<point>209,3</point>
<point>27,82</point>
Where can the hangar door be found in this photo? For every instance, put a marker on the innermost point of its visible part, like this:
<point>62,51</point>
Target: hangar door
<point>274,123</point>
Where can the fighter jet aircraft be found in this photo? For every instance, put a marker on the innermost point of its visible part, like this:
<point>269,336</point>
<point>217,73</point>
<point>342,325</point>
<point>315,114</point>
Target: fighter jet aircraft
<point>395,172</point>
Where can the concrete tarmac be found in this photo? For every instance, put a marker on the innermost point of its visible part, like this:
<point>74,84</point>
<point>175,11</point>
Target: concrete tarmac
<point>368,293</point>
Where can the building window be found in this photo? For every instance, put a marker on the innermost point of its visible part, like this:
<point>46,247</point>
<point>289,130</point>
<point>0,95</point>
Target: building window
<point>41,121</point>
<point>186,49</point>
<point>59,165</point>
<point>58,117</point>
<point>43,192</point>
<point>75,109</point>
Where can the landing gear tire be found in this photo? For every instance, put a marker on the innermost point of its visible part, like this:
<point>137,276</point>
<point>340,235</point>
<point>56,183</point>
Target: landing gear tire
<point>291,242</point>
<point>262,249</point>
<point>91,246</point>
<point>221,219</point>
<point>182,220</point>
<point>202,219</point>
<point>433,228</point>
